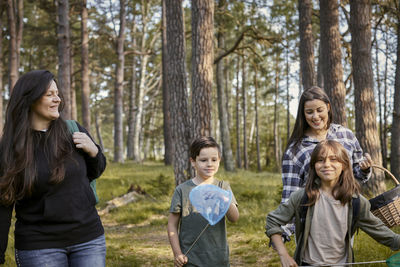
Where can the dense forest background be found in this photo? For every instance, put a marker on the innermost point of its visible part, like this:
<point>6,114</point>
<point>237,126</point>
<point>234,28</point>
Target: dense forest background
<point>148,76</point>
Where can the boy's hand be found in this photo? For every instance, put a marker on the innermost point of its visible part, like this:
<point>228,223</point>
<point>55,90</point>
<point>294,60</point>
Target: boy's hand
<point>180,260</point>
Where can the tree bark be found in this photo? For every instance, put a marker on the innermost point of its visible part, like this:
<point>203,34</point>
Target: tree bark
<point>276,115</point>
<point>244,107</point>
<point>74,108</point>
<point>331,58</point>
<point>64,55</point>
<point>256,115</point>
<point>85,67</point>
<point>176,79</point>
<point>166,91</point>
<point>13,53</point>
<point>132,100</point>
<point>227,156</point>
<point>238,152</point>
<point>306,44</point>
<point>20,16</point>
<point>202,66</point>
<point>1,68</point>
<point>395,143</point>
<point>366,127</point>
<point>119,89</point>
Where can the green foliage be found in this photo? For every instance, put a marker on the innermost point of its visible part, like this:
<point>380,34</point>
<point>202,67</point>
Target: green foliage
<point>161,185</point>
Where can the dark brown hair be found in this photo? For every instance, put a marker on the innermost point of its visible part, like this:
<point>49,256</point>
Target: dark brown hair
<point>301,124</point>
<point>345,187</point>
<point>18,168</point>
<point>200,143</point>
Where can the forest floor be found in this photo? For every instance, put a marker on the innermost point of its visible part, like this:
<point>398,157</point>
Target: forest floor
<point>136,233</point>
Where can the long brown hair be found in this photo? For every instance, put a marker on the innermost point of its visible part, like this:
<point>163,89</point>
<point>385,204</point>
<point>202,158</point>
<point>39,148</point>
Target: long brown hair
<point>345,187</point>
<point>301,125</point>
<point>17,163</point>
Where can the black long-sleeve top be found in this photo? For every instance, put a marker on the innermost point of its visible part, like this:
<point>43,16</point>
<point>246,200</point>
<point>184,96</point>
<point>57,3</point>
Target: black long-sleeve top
<point>56,215</point>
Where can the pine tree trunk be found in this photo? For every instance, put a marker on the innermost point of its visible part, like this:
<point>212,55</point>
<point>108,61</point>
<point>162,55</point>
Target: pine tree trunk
<point>202,66</point>
<point>13,49</point>
<point>365,107</point>
<point>306,44</point>
<point>98,130</point>
<point>64,55</point>
<point>1,69</point>
<point>119,89</point>
<point>331,58</point>
<point>395,143</point>
<point>176,78</point>
<point>229,164</point>
<point>132,100</point>
<point>276,115</point>
<point>244,110</point>
<point>166,92</point>
<point>85,67</point>
<point>256,115</point>
<point>20,16</point>
<point>238,152</point>
<point>74,108</point>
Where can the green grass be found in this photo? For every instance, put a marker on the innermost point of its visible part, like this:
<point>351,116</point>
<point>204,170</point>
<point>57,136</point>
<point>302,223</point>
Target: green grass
<point>136,233</point>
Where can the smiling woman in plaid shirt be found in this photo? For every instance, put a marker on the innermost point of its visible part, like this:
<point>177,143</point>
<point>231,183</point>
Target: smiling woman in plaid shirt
<point>313,124</point>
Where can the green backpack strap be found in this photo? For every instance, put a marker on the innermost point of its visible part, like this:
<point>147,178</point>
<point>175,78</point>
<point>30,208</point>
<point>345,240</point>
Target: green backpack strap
<point>73,127</point>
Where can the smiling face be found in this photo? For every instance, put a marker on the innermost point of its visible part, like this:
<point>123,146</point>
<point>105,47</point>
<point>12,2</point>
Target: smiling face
<point>45,109</point>
<point>316,113</point>
<point>328,168</point>
<point>206,163</point>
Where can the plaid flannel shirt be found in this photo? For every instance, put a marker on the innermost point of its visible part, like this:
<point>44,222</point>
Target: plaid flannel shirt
<point>296,161</point>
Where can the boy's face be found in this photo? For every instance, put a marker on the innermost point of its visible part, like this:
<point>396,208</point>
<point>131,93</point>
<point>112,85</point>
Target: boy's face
<point>206,163</point>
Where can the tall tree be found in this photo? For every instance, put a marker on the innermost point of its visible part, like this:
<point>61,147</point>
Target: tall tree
<point>202,66</point>
<point>1,67</point>
<point>132,98</point>
<point>229,164</point>
<point>64,50</point>
<point>85,67</point>
<point>366,126</point>
<point>119,87</point>
<point>176,79</point>
<point>256,117</point>
<point>167,123</point>
<point>395,131</point>
<point>238,152</point>
<point>244,110</point>
<point>13,50</point>
<point>331,57</point>
<point>306,44</point>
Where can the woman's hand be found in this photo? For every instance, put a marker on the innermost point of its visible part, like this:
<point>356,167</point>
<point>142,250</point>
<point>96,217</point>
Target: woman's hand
<point>366,162</point>
<point>180,260</point>
<point>83,141</point>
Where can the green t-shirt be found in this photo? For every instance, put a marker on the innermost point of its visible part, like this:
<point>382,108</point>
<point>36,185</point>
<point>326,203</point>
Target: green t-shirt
<point>212,247</point>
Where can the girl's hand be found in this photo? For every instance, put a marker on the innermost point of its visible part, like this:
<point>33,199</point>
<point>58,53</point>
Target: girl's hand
<point>84,142</point>
<point>180,260</point>
<point>366,162</point>
<point>288,261</point>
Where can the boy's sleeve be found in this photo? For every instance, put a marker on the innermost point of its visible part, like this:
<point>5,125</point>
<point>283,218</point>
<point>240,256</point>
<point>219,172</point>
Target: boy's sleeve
<point>176,201</point>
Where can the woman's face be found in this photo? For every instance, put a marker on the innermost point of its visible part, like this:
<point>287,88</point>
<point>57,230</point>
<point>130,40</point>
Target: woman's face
<point>316,113</point>
<point>45,109</point>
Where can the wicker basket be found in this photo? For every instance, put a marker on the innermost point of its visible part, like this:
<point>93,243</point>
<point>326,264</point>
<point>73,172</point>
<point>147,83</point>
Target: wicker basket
<point>386,206</point>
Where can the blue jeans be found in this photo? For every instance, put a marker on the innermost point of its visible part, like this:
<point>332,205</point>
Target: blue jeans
<point>88,254</point>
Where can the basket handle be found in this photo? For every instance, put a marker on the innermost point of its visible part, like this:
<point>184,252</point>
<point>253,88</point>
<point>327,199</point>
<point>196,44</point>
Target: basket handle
<point>388,172</point>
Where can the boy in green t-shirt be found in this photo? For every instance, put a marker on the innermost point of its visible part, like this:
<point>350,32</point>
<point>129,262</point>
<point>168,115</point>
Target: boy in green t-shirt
<point>212,247</point>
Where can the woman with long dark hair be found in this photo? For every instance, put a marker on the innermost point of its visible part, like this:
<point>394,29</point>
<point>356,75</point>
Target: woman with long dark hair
<point>45,173</point>
<point>314,124</point>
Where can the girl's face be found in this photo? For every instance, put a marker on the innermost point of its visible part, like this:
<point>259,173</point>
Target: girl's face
<point>206,163</point>
<point>45,109</point>
<point>316,113</point>
<point>328,168</point>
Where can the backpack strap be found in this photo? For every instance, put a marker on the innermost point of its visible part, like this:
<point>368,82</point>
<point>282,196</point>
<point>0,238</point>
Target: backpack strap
<point>303,211</point>
<point>356,212</point>
<point>72,126</point>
